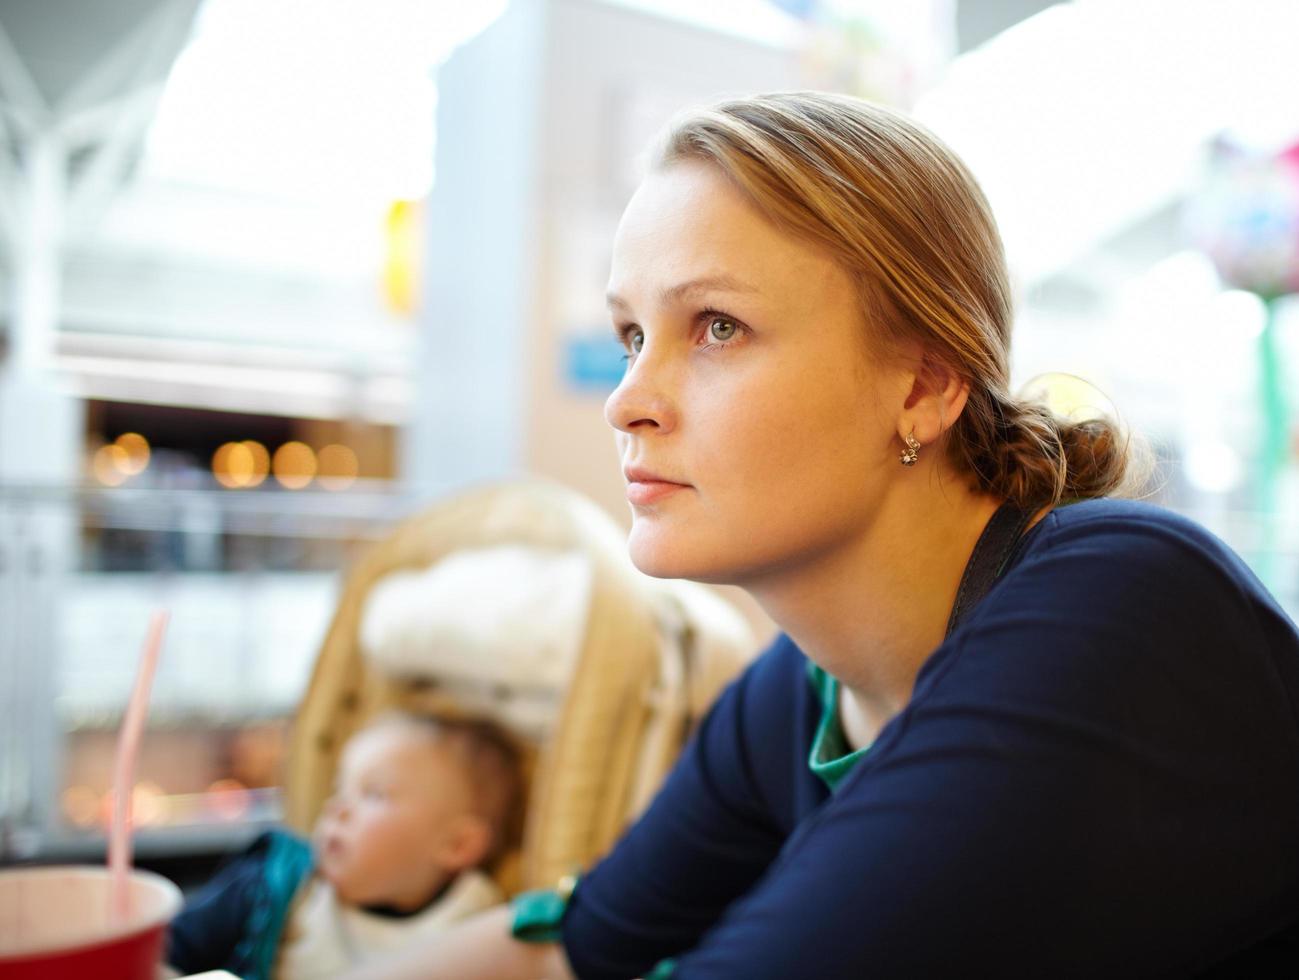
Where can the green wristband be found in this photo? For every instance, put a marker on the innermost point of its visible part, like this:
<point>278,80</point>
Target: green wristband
<point>663,970</point>
<point>539,915</point>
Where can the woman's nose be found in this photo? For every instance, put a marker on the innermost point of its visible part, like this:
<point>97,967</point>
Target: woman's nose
<point>641,401</point>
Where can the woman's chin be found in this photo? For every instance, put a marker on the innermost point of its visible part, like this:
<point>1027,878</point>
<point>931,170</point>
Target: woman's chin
<point>663,556</point>
<point>649,552</point>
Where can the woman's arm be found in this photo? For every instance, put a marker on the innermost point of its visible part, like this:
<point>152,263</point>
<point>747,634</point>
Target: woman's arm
<point>480,947</point>
<point>710,834</point>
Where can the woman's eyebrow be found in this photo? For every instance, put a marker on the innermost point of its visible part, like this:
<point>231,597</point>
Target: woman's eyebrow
<point>671,294</point>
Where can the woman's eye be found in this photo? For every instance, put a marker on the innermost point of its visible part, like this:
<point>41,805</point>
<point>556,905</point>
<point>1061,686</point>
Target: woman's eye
<point>721,329</point>
<point>635,341</point>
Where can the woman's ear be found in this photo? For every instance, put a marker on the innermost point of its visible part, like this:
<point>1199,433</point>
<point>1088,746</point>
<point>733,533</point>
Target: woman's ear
<point>936,400</point>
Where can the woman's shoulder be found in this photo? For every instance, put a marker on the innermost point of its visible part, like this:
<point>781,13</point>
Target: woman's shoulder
<point>1137,543</point>
<point>1128,522</point>
<point>1117,586</point>
<point>1128,625</point>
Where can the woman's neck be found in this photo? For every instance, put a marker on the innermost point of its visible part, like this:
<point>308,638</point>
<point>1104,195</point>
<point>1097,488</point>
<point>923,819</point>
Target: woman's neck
<point>873,609</point>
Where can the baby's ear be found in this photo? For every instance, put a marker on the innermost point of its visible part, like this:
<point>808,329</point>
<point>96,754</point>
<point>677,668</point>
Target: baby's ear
<point>466,843</point>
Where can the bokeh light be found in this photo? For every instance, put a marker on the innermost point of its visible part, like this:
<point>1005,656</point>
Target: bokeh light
<point>149,805</point>
<point>294,465</point>
<point>109,465</point>
<point>80,805</point>
<point>1214,466</point>
<point>136,448</point>
<point>228,799</point>
<point>225,467</point>
<point>1240,311</point>
<point>338,467</point>
<point>261,462</point>
<point>241,465</point>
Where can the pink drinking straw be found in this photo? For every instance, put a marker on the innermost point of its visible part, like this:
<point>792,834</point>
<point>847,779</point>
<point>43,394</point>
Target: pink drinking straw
<point>128,749</point>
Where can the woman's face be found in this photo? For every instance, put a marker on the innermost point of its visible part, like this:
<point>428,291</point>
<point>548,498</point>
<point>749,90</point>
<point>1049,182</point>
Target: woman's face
<point>755,431</point>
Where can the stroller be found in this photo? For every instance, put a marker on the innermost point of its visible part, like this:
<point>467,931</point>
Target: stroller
<point>517,602</point>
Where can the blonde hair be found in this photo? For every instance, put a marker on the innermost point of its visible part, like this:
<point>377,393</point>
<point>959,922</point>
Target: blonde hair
<point>904,216</point>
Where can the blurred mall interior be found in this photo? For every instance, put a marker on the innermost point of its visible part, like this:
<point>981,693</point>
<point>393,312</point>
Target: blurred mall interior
<point>276,274</point>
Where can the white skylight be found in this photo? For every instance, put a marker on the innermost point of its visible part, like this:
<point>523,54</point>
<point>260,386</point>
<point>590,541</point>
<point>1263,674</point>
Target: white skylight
<point>1090,115</point>
<point>310,100</point>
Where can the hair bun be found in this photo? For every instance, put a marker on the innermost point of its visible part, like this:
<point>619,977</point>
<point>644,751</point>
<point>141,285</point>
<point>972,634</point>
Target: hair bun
<point>1022,451</point>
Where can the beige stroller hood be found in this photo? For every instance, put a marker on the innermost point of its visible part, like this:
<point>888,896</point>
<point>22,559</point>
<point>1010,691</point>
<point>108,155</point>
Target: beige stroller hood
<point>647,661</point>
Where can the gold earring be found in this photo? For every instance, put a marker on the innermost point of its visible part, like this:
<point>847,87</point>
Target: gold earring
<point>912,452</point>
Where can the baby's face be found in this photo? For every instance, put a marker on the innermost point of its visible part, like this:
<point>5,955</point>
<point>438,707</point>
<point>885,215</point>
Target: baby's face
<point>400,822</point>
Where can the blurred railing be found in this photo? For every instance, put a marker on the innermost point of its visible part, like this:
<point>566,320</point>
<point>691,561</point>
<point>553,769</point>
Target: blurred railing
<point>250,579</point>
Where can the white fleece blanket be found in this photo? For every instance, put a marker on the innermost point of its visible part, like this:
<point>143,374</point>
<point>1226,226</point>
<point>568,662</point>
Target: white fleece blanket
<point>501,627</point>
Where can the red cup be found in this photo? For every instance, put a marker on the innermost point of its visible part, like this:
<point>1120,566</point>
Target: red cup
<point>55,924</point>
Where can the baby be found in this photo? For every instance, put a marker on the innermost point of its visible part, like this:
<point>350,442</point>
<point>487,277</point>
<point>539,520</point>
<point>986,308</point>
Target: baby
<point>419,806</point>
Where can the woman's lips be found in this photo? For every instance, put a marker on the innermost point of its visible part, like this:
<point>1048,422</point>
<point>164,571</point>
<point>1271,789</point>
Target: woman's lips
<point>641,492</point>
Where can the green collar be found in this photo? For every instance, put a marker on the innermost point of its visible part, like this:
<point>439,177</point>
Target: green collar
<point>831,759</point>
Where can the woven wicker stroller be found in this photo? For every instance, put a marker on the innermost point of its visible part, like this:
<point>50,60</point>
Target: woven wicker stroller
<point>652,657</point>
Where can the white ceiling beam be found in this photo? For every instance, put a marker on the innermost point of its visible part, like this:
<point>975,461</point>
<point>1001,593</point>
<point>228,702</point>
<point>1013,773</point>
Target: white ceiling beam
<point>115,100</point>
<point>94,187</point>
<point>95,123</point>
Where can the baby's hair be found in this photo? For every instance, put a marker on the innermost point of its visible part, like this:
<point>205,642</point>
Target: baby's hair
<point>491,759</point>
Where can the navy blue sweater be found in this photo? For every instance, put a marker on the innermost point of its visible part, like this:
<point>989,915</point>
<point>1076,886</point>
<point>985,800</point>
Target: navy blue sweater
<point>1097,775</point>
